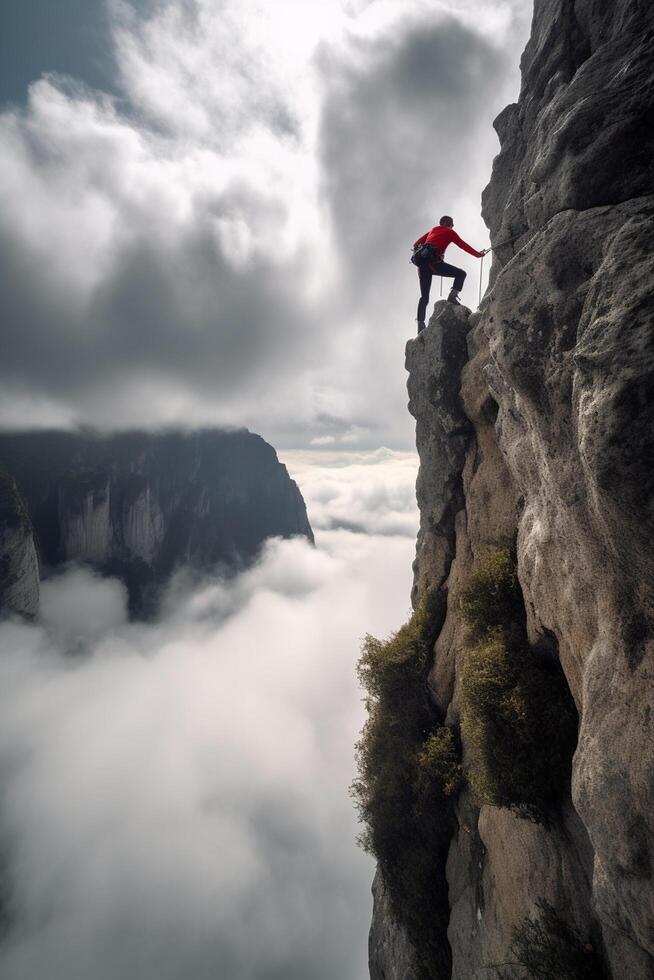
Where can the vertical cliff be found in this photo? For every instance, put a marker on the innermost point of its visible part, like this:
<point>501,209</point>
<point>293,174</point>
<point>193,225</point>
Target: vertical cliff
<point>139,505</point>
<point>19,567</point>
<point>535,429</point>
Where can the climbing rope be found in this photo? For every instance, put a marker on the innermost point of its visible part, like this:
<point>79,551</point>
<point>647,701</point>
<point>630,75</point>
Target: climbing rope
<point>509,241</point>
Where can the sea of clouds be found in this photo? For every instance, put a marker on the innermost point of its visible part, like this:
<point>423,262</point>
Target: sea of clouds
<point>175,794</point>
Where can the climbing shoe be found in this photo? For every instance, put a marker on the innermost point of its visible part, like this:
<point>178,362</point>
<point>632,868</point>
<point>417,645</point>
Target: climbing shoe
<point>421,326</point>
<point>454,297</point>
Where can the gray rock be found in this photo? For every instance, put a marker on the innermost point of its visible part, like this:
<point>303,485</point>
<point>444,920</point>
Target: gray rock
<point>434,360</point>
<point>85,518</point>
<point>570,334</point>
<point>581,135</point>
<point>390,954</point>
<point>19,567</point>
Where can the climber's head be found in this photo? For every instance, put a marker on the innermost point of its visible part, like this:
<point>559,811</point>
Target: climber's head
<point>447,221</point>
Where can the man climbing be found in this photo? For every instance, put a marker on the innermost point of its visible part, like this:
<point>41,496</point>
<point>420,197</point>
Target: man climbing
<point>439,238</point>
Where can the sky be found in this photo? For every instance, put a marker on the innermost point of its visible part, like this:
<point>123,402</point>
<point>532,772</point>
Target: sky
<point>206,208</point>
<point>175,794</point>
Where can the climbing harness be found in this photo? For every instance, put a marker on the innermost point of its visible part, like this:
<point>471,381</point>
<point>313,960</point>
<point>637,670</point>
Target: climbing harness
<point>426,255</point>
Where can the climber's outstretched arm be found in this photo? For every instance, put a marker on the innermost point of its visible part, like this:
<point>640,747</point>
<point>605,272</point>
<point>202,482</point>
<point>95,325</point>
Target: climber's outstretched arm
<point>467,248</point>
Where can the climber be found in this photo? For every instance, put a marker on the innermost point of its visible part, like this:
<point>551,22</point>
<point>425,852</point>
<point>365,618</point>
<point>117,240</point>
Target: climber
<point>439,238</point>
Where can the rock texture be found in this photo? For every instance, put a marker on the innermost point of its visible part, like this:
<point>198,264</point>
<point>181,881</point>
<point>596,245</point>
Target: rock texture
<point>541,435</point>
<point>140,505</point>
<point>442,434</point>
<point>390,953</point>
<point>19,567</point>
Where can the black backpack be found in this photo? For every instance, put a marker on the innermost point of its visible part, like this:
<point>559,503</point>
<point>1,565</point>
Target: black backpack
<point>425,255</point>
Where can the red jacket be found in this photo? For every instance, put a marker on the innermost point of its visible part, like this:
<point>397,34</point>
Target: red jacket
<point>441,236</point>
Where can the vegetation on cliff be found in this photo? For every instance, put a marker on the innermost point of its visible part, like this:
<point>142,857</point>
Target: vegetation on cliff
<point>546,947</point>
<point>518,716</point>
<point>408,772</point>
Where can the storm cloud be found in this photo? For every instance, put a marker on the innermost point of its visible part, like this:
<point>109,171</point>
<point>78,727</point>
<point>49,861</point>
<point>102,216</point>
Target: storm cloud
<point>113,272</point>
<point>400,136</point>
<point>223,237</point>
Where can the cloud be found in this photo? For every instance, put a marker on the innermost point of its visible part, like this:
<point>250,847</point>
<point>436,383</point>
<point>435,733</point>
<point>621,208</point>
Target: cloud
<point>175,799</point>
<point>208,69</point>
<point>225,241</point>
<point>116,275</point>
<point>370,492</point>
<point>79,605</point>
<point>154,255</point>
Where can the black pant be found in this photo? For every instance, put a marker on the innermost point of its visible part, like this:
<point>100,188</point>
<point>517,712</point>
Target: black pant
<point>439,269</point>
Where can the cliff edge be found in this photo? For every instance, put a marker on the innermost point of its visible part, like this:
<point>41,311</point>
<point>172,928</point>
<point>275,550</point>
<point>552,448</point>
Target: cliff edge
<point>535,429</point>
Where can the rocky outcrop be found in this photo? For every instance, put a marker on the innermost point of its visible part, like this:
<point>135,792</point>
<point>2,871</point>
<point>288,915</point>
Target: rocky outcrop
<point>390,953</point>
<point>442,435</point>
<point>543,441</point>
<point>141,505</point>
<point>19,567</point>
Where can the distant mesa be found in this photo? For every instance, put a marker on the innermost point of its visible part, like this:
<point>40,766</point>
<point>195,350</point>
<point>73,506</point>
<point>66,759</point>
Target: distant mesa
<point>140,505</point>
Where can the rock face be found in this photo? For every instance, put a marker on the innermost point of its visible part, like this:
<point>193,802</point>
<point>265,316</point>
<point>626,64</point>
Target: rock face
<point>139,505</point>
<point>442,434</point>
<point>390,953</point>
<point>540,436</point>
<point>19,567</point>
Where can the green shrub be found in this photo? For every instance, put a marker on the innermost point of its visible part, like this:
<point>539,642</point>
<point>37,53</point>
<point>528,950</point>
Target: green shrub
<point>517,713</point>
<point>438,766</point>
<point>545,947</point>
<point>408,771</point>
<point>491,597</point>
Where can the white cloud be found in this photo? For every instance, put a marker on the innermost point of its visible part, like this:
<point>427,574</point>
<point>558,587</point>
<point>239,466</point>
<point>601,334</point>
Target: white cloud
<point>175,800</point>
<point>323,440</point>
<point>363,491</point>
<point>80,606</point>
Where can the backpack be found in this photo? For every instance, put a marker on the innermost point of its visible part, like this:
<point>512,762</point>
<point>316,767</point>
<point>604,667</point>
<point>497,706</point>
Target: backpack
<point>425,255</point>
